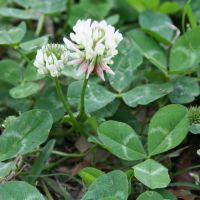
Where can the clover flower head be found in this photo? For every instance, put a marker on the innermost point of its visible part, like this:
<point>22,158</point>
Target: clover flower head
<point>50,59</point>
<point>92,45</point>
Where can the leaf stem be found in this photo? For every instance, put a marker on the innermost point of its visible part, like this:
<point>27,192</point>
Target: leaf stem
<point>46,191</point>
<point>65,103</point>
<point>68,155</point>
<point>40,25</point>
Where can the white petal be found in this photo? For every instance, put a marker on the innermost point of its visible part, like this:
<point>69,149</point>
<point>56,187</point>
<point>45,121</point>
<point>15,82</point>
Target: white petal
<point>89,70</point>
<point>99,72</point>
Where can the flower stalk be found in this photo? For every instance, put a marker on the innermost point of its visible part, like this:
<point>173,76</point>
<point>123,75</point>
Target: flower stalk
<point>82,115</point>
<point>65,103</point>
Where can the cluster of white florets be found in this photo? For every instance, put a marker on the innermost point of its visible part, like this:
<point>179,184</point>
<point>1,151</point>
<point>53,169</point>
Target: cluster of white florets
<point>51,59</point>
<point>91,47</point>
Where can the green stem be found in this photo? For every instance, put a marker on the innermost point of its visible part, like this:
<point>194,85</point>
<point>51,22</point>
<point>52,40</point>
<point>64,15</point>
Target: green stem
<point>65,103</point>
<point>40,25</point>
<point>68,155</point>
<point>82,114</point>
<point>185,170</point>
<point>22,54</point>
<point>49,197</point>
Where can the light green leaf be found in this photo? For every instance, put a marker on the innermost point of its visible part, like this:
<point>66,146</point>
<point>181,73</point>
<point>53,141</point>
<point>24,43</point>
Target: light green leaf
<point>150,195</point>
<point>6,168</point>
<point>125,63</point>
<point>10,71</point>
<point>152,174</point>
<point>88,9</point>
<point>185,90</point>
<point>13,35</point>
<point>145,94</point>
<point>19,190</point>
<point>17,13</point>
<point>27,132</point>
<point>108,186</point>
<point>121,140</point>
<point>141,5</point>
<point>45,6</point>
<point>34,44</point>
<point>96,97</point>
<point>158,25</point>
<point>168,128</point>
<point>169,7</point>
<point>23,90</point>
<point>149,49</point>
<point>185,54</point>
<point>113,19</point>
<point>89,175</point>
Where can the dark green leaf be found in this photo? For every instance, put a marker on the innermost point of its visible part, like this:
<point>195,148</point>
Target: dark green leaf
<point>152,174</point>
<point>6,168</point>
<point>185,90</point>
<point>34,44</point>
<point>166,194</point>
<point>13,35</point>
<point>158,25</point>
<point>27,132</point>
<point>10,71</point>
<point>168,128</point>
<point>17,13</point>
<point>121,140</point>
<point>145,94</point>
<point>45,6</point>
<point>113,184</point>
<point>19,190</point>
<point>185,54</point>
<point>149,49</point>
<point>23,90</point>
<point>150,195</point>
<point>96,97</point>
<point>125,63</point>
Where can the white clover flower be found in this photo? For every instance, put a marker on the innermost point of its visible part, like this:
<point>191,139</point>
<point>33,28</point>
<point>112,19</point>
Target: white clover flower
<point>50,59</point>
<point>92,46</point>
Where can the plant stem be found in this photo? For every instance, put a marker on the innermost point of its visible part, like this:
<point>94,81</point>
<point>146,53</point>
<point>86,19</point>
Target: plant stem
<point>46,191</point>
<point>65,103</point>
<point>40,25</point>
<point>68,155</point>
<point>22,54</point>
<point>82,114</point>
<point>186,170</point>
